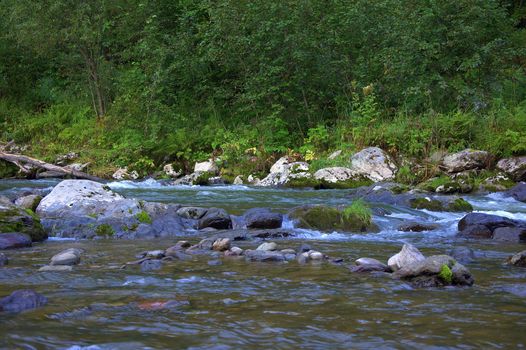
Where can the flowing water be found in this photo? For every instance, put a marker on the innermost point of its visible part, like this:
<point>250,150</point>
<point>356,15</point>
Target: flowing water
<point>241,305</point>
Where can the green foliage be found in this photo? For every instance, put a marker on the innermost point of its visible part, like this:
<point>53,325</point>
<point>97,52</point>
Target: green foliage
<point>104,230</point>
<point>144,217</point>
<point>446,274</point>
<point>358,211</point>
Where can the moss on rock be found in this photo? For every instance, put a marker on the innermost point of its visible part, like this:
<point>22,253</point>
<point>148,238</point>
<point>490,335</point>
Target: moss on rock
<point>429,204</point>
<point>144,217</point>
<point>331,219</point>
<point>104,230</point>
<point>24,221</point>
<point>460,205</point>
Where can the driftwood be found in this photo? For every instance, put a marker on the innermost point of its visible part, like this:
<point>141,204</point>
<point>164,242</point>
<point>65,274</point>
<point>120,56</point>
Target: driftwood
<point>20,161</point>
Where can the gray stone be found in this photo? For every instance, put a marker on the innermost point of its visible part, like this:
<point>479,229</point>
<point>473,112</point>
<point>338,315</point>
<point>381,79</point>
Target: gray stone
<point>518,192</point>
<point>29,202</point>
<point>67,257</point>
<point>465,160</point>
<point>56,268</point>
<point>12,240</point>
<point>221,244</point>
<point>238,180</point>
<point>335,174</point>
<point>21,300</point>
<point>510,234</point>
<point>514,167</point>
<point>374,164</point>
<point>267,246</point>
<point>262,218</point>
<point>462,254</point>
<point>206,167</point>
<point>518,259</point>
<point>215,218</point>
<point>264,256</point>
<point>194,213</point>
<point>151,265</point>
<point>283,171</point>
<point>407,256</point>
<point>124,174</point>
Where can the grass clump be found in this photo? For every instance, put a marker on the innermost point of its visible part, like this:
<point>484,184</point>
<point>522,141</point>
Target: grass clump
<point>460,205</point>
<point>104,230</point>
<point>358,212</point>
<point>144,217</point>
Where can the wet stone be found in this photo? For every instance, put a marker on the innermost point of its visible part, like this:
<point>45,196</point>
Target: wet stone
<point>21,300</point>
<point>151,265</point>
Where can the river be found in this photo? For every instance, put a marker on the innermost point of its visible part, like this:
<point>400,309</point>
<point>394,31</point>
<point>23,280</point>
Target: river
<point>241,305</point>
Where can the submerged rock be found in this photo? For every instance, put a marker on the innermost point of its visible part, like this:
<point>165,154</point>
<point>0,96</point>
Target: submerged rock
<point>29,202</point>
<point>262,218</point>
<point>407,256</point>
<point>435,271</point>
<point>417,227</point>
<point>12,240</point>
<point>374,164</point>
<point>326,218</point>
<point>21,300</point>
<point>465,160</point>
<point>518,259</point>
<point>151,265</point>
<point>462,254</point>
<point>216,218</point>
<point>364,265</point>
<point>264,256</point>
<point>514,167</point>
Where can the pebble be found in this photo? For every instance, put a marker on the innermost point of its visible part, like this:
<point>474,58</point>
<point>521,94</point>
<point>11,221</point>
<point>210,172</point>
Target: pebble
<point>268,246</point>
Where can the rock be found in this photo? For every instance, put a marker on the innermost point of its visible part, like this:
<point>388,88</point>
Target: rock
<point>465,160</point>
<point>417,227</point>
<point>15,219</point>
<point>407,256</point>
<point>518,192</point>
<point>264,256</point>
<point>267,246</point>
<point>215,262</point>
<point>206,167</point>
<point>326,218</point>
<point>369,265</point>
<point>169,170</point>
<point>510,234</point>
<point>288,251</point>
<point>334,174</point>
<point>123,174</point>
<point>28,202</point>
<point>3,259</point>
<point>514,167</point>
<point>238,180</point>
<point>12,240</point>
<point>374,164</point>
<point>151,265</point>
<point>455,205</point>
<point>302,258</point>
<point>21,300</point>
<point>304,247</point>
<point>262,218</point>
<point>435,271</point>
<point>497,183</point>
<point>282,172</point>
<point>518,259</point>
<point>56,268</point>
<point>194,213</point>
<point>479,225</point>
<point>216,180</point>
<point>252,180</point>
<point>462,254</point>
<point>334,154</point>
<point>234,251</point>
<point>315,255</point>
<point>178,247</point>
<point>221,244</point>
<point>215,218</point>
<point>66,257</point>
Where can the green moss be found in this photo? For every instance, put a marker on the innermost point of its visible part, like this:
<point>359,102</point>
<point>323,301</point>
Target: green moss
<point>348,184</point>
<point>446,274</point>
<point>331,219</point>
<point>400,189</point>
<point>104,230</point>
<point>24,221</point>
<point>303,182</point>
<point>144,217</point>
<point>464,185</point>
<point>203,178</point>
<point>93,215</point>
<point>460,205</point>
<point>423,203</point>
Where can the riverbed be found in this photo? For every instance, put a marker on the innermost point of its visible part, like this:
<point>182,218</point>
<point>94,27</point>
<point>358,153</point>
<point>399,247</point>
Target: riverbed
<point>233,304</point>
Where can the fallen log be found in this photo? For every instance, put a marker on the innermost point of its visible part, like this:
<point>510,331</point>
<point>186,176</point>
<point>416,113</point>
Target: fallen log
<point>19,160</point>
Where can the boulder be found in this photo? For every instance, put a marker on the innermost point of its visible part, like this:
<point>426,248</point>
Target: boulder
<point>221,244</point>
<point>510,234</point>
<point>374,164</point>
<point>12,240</point>
<point>334,174</point>
<point>462,254</point>
<point>28,202</point>
<point>435,271</point>
<point>15,219</point>
<point>518,192</point>
<point>262,218</point>
<point>417,227</point>
<point>518,259</point>
<point>206,167</point>
<point>238,180</point>
<point>169,170</point>
<point>234,251</point>
<point>479,225</point>
<point>21,300</point>
<point>325,218</point>
<point>369,265</point>
<point>123,174</point>
<point>407,256</point>
<point>515,167</point>
<point>151,265</point>
<point>467,159</point>
<point>283,171</point>
<point>194,213</point>
<point>69,256</point>
<point>216,218</point>
<point>268,246</point>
